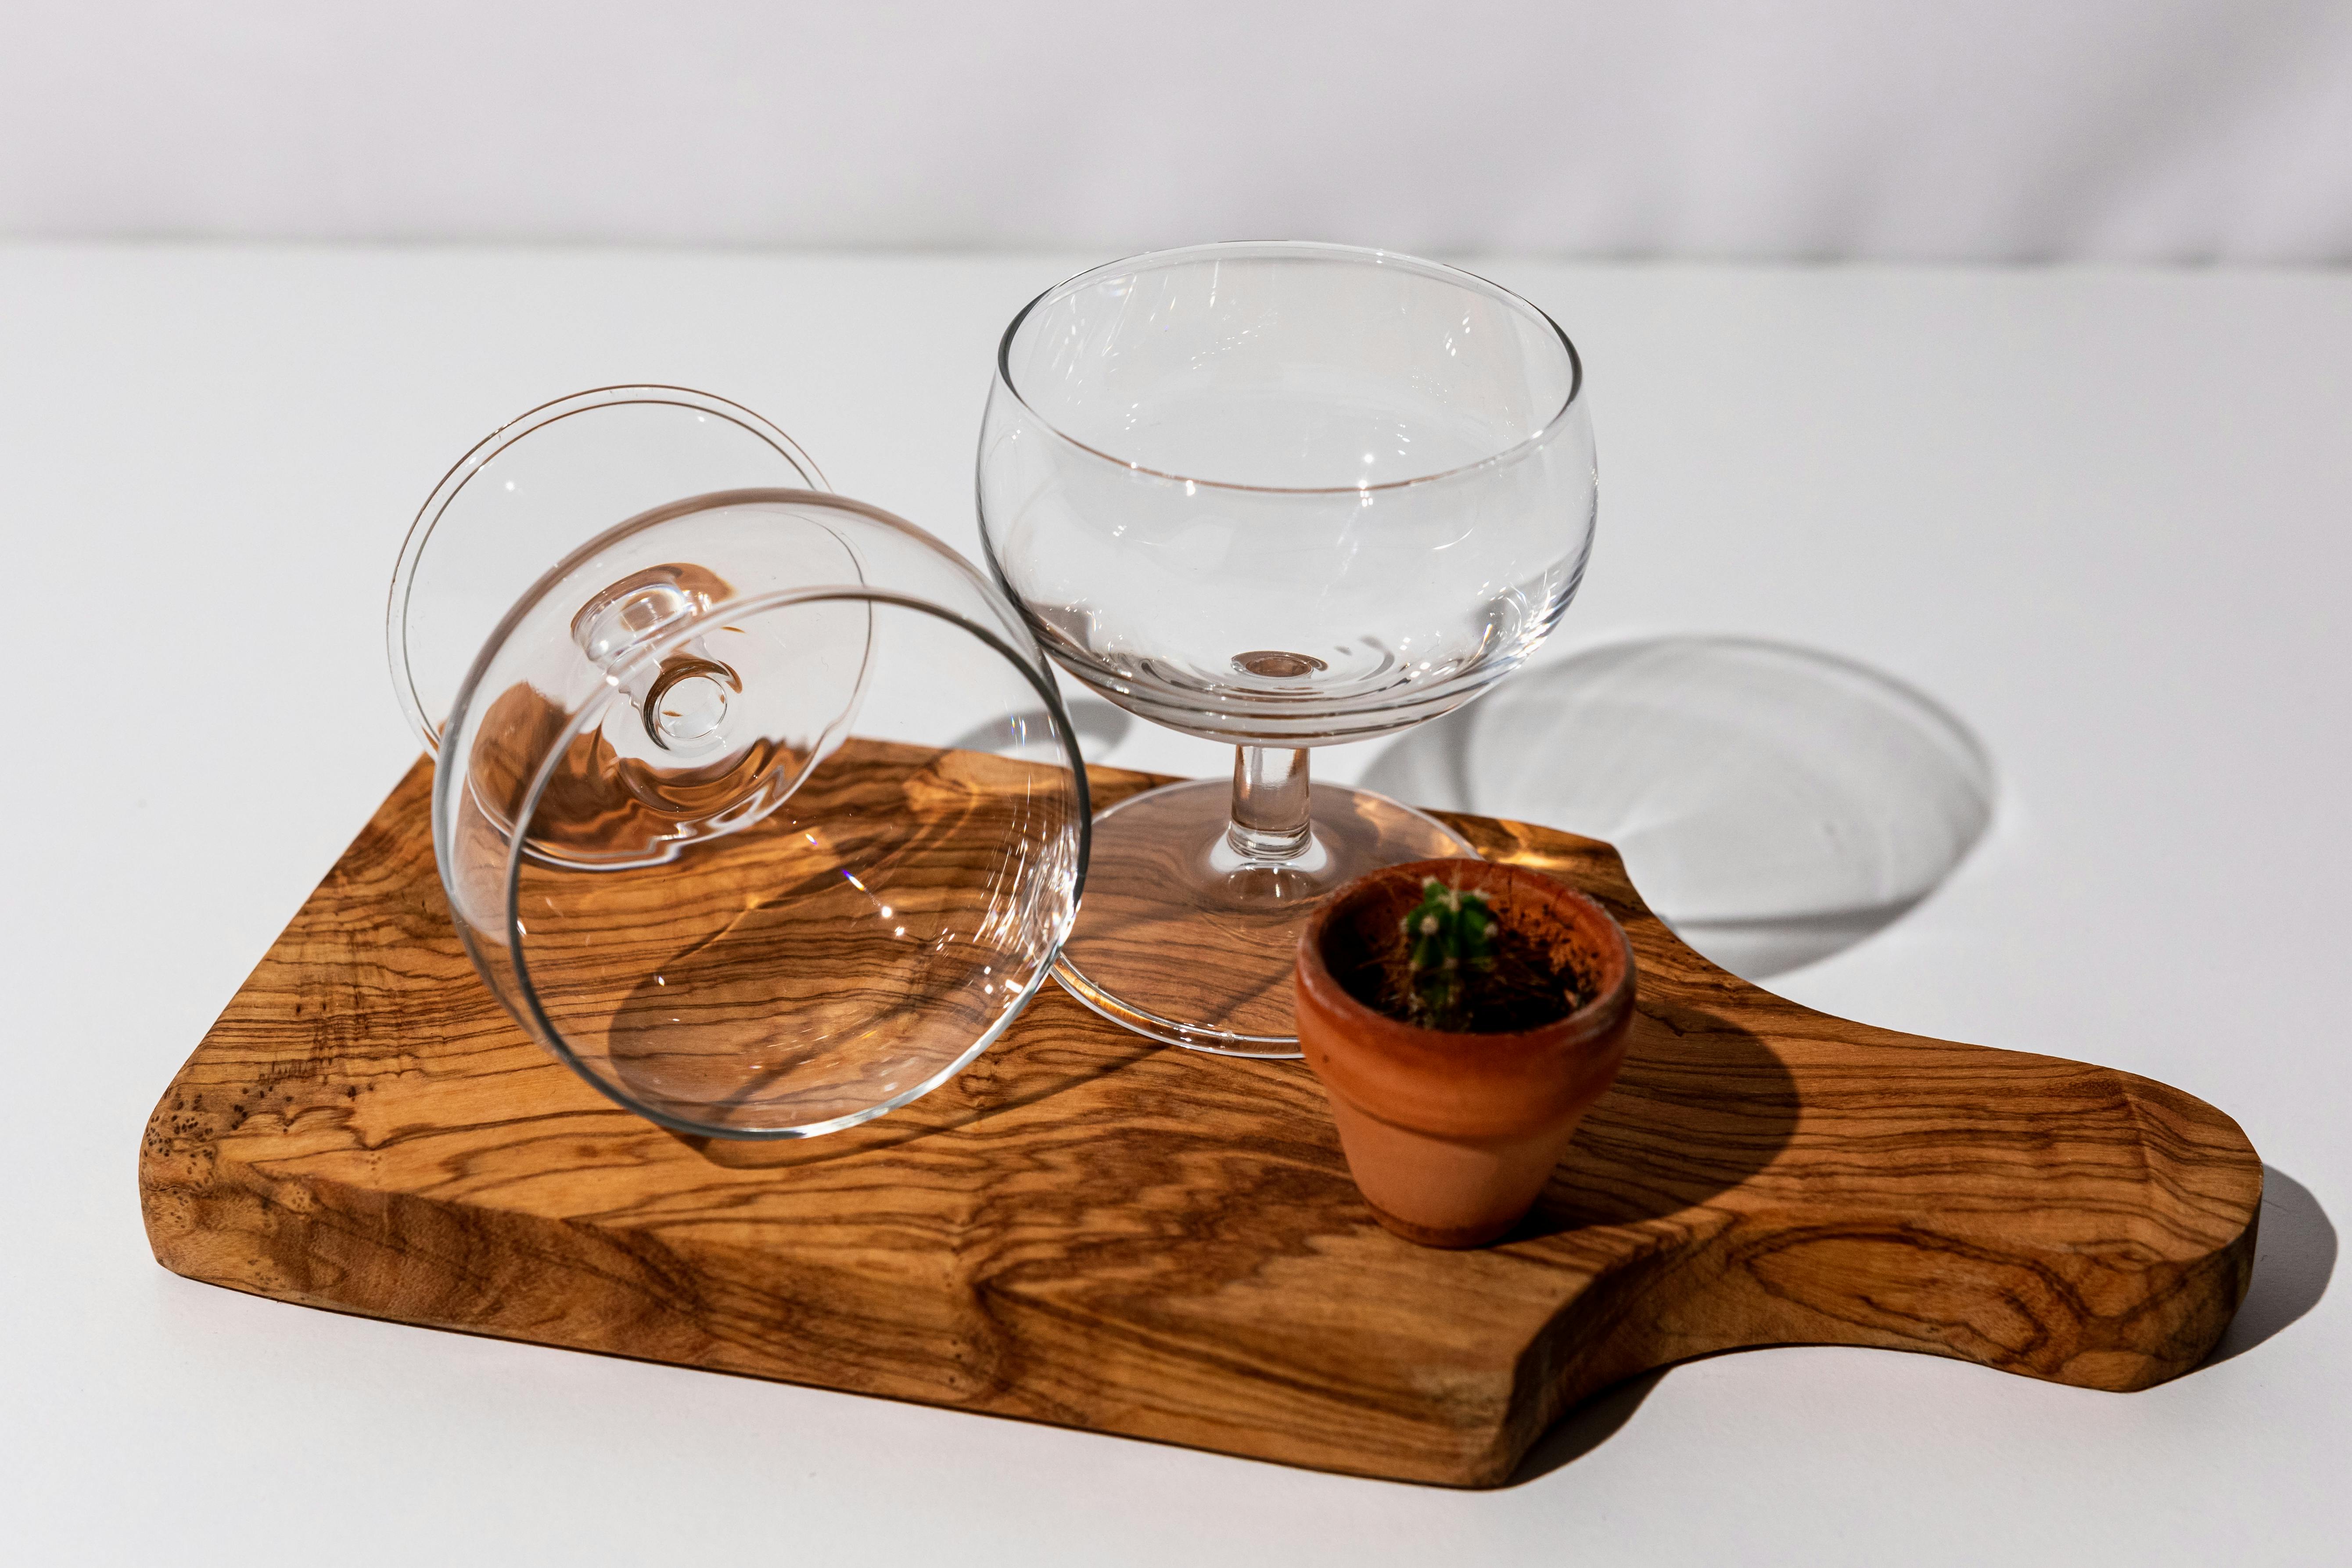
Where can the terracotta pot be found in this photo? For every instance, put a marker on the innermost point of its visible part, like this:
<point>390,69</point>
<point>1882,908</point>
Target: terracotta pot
<point>1452,1136</point>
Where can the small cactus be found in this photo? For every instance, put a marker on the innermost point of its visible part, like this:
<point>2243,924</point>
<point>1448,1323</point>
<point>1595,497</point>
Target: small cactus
<point>1449,936</point>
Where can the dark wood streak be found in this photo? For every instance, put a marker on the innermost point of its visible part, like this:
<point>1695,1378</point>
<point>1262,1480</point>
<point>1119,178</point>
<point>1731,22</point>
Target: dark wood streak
<point>1087,1230</point>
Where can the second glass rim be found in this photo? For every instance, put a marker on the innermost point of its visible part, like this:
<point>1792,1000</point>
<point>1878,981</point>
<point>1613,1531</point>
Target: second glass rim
<point>1363,254</point>
<point>530,422</point>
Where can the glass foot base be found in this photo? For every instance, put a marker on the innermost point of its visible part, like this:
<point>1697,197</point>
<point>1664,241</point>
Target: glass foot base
<point>1181,937</point>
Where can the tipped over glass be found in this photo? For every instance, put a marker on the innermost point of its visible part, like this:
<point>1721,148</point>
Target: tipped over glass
<point>1280,495</point>
<point>756,806</point>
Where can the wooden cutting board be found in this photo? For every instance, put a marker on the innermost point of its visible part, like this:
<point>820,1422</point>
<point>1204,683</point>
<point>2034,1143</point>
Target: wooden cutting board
<point>1091,1230</point>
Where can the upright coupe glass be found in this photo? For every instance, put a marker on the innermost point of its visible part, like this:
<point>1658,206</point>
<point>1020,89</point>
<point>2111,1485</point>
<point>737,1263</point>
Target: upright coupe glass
<point>1282,495</point>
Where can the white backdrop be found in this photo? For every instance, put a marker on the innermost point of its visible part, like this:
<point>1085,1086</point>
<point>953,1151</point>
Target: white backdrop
<point>2138,130</point>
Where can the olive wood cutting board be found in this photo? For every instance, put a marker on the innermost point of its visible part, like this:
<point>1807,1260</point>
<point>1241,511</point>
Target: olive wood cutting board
<point>1088,1229</point>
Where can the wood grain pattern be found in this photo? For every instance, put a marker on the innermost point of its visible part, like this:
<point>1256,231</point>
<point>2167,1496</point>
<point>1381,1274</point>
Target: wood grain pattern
<point>1090,1230</point>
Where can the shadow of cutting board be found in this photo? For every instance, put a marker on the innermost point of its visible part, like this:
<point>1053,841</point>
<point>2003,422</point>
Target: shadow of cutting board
<point>1091,1230</point>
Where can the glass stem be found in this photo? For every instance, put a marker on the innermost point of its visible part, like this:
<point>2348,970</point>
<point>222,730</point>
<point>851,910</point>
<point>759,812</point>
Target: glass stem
<point>1269,803</point>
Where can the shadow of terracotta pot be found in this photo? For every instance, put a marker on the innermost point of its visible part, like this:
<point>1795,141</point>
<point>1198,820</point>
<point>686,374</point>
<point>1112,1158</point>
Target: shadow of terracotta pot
<point>1452,1136</point>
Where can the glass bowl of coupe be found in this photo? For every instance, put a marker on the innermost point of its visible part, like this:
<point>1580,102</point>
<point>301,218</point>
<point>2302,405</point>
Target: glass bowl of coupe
<point>756,806</point>
<point>1279,495</point>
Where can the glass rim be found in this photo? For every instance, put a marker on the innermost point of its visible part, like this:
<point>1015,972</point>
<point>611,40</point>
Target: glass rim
<point>530,422</point>
<point>1304,249</point>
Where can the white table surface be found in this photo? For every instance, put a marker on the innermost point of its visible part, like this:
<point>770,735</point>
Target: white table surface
<point>2103,515</point>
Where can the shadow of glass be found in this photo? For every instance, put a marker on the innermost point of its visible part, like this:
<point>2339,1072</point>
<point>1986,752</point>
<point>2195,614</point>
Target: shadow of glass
<point>2295,1256</point>
<point>1774,803</point>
